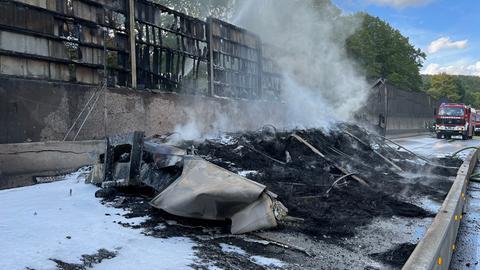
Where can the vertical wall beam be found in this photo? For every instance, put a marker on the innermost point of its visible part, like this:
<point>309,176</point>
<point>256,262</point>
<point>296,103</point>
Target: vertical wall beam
<point>131,36</point>
<point>386,106</point>
<point>260,70</point>
<point>211,82</point>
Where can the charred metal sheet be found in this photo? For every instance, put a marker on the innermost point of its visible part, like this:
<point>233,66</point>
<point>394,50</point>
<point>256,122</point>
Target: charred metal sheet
<point>122,159</point>
<point>161,165</point>
<point>78,33</point>
<point>206,191</point>
<point>171,49</point>
<point>258,215</point>
<point>272,80</point>
<point>164,155</point>
<point>196,192</point>
<point>129,160</point>
<point>188,186</point>
<point>236,61</point>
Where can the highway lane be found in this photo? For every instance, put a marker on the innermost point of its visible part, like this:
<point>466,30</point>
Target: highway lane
<point>429,146</point>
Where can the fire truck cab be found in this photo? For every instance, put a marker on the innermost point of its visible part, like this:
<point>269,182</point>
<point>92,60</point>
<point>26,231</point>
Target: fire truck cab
<point>455,120</point>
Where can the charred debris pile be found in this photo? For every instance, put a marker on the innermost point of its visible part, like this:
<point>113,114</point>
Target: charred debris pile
<point>331,181</point>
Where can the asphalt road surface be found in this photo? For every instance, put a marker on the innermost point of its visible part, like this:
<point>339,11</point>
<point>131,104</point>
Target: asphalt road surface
<point>430,146</point>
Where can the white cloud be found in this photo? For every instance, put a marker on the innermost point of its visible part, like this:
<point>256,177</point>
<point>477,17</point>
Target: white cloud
<point>445,42</point>
<point>399,3</point>
<point>453,69</point>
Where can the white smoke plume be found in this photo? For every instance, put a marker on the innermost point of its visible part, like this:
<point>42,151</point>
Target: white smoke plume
<point>322,84</point>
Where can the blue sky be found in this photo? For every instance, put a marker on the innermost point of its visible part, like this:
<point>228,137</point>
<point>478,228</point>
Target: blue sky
<point>448,31</point>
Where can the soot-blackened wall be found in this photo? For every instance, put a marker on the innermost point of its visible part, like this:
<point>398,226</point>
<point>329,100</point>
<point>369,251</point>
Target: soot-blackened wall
<point>34,110</point>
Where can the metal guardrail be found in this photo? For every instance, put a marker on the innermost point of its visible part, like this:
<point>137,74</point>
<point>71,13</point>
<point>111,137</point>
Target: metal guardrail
<point>437,246</point>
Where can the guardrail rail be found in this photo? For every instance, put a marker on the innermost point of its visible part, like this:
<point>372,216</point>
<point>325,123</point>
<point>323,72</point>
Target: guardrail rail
<point>436,248</point>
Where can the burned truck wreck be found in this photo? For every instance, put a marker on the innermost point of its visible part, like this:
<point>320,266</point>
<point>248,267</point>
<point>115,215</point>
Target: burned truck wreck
<point>187,185</point>
<point>332,181</point>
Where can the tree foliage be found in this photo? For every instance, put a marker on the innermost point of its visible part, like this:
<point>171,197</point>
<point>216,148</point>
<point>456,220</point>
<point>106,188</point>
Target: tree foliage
<point>472,98</point>
<point>383,51</point>
<point>468,86</point>
<point>446,86</point>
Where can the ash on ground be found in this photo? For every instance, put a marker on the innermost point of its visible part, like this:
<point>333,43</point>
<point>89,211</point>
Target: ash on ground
<point>354,182</point>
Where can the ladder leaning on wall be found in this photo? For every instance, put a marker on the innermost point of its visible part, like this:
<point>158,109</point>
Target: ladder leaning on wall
<point>92,101</point>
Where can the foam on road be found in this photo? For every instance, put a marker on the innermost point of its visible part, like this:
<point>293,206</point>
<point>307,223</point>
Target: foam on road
<point>44,222</point>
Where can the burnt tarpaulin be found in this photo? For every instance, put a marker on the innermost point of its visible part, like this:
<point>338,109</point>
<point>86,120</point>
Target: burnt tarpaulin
<point>206,191</point>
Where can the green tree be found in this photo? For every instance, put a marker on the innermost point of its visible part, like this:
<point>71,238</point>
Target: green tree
<point>475,99</point>
<point>471,84</point>
<point>469,88</point>
<point>383,51</point>
<point>446,86</point>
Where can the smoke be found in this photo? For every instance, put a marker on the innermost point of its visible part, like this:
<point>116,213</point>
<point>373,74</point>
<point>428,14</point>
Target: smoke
<point>194,129</point>
<point>321,84</point>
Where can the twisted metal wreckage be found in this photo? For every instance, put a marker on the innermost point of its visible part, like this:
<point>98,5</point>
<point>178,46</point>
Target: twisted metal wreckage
<point>187,185</point>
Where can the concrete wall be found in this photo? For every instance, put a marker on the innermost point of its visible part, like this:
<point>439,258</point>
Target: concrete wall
<point>409,111</point>
<point>405,112</point>
<point>21,163</point>
<point>37,110</point>
<point>34,110</point>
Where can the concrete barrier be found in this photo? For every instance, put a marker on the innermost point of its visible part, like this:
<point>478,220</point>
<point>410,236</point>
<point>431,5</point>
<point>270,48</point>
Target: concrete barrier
<point>20,163</point>
<point>34,110</point>
<point>437,246</point>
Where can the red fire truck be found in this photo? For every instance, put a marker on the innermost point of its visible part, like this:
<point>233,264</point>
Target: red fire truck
<point>455,119</point>
<point>477,123</point>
